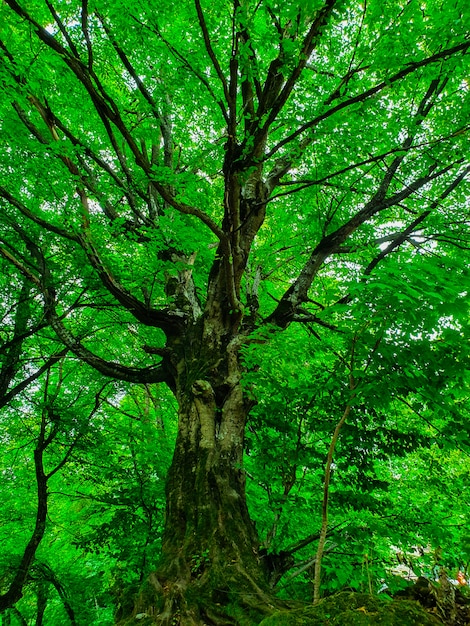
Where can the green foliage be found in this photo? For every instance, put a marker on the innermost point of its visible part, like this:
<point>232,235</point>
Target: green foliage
<point>290,178</point>
<point>106,503</point>
<point>399,477</point>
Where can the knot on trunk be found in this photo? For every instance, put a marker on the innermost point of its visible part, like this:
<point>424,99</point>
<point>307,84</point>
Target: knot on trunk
<point>202,389</point>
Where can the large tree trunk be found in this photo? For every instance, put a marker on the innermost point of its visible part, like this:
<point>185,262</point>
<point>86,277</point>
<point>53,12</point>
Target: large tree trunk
<point>211,571</point>
<point>209,543</point>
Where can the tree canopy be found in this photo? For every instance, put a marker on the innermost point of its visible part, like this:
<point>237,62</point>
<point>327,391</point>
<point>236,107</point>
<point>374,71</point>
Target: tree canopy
<point>235,341</point>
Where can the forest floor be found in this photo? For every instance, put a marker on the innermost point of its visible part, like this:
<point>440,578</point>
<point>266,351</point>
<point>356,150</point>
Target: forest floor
<point>422,604</point>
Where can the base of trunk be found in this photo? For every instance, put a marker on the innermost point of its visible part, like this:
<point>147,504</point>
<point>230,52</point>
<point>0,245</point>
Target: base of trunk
<point>211,571</point>
<point>201,596</point>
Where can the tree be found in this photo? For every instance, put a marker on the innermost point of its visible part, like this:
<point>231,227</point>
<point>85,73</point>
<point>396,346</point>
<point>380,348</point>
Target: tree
<point>100,495</point>
<point>63,410</point>
<point>179,186</point>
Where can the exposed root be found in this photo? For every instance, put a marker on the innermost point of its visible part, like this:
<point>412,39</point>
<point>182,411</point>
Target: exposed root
<point>202,602</point>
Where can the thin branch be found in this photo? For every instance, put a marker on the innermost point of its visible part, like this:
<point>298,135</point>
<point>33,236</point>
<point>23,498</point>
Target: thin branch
<point>351,72</point>
<point>5,399</point>
<point>326,485</point>
<point>298,291</point>
<point>404,235</point>
<point>109,113</point>
<point>186,64</point>
<point>210,51</point>
<point>35,218</point>
<point>300,185</point>
<point>130,68</point>
<point>20,266</point>
<point>428,100</point>
<point>22,336</point>
<point>62,29</point>
<point>304,184</point>
<point>311,538</point>
<point>10,363</point>
<point>74,443</point>
<point>429,423</point>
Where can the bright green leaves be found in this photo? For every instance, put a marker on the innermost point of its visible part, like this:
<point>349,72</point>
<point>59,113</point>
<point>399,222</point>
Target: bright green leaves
<point>402,334</point>
<point>113,149</point>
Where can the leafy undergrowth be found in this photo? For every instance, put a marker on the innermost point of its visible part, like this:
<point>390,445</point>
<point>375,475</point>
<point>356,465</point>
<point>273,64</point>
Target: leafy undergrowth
<point>355,609</point>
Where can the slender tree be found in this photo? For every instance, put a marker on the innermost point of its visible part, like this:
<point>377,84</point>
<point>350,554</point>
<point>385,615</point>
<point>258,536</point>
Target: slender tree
<point>179,182</point>
<point>50,429</point>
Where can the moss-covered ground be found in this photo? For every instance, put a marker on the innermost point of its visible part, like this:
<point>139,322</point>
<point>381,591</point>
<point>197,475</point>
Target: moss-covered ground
<point>355,609</point>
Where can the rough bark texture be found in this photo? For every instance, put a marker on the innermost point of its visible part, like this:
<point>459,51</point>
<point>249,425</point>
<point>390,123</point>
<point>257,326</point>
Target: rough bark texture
<point>211,571</point>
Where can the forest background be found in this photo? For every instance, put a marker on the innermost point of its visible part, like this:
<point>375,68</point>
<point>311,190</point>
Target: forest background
<point>234,304</point>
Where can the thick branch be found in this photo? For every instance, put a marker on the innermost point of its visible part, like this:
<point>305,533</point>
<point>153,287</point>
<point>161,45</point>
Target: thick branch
<point>15,590</point>
<point>152,374</point>
<point>108,368</point>
<point>166,320</point>
<point>23,572</point>
<point>47,574</point>
<point>399,239</point>
<point>10,360</point>
<point>308,46</point>
<point>297,292</point>
<point>86,33</point>
<point>409,69</point>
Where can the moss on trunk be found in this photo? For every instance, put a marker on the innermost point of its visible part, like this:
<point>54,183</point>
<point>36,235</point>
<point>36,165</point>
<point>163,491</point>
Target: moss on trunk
<point>210,571</point>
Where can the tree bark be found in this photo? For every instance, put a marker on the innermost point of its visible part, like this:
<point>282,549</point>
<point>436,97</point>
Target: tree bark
<point>211,571</point>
